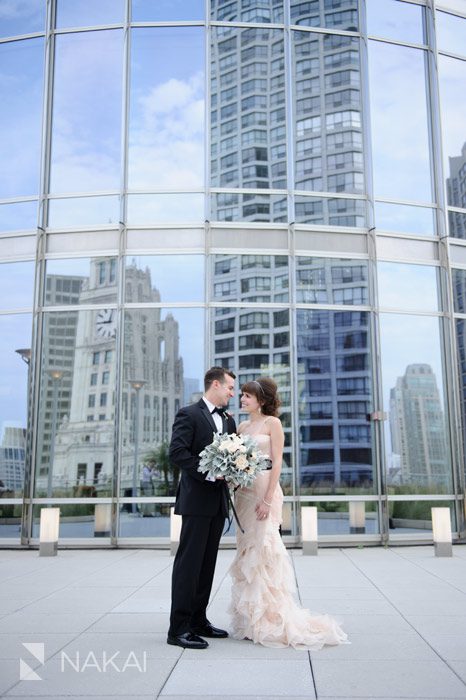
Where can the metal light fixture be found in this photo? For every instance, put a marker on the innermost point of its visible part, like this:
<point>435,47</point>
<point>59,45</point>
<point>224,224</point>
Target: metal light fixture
<point>48,533</point>
<point>441,528</point>
<point>357,517</point>
<point>309,530</point>
<point>25,354</point>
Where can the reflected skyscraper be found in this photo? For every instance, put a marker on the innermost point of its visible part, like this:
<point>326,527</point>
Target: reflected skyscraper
<point>417,427</point>
<point>456,192</point>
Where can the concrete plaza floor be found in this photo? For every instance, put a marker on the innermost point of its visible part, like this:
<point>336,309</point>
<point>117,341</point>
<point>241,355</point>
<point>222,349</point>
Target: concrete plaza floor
<point>99,619</point>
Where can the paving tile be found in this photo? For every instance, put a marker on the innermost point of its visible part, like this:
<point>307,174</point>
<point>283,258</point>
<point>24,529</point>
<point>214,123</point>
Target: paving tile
<point>62,679</point>
<point>450,647</point>
<point>153,645</point>
<point>377,647</point>
<point>128,623</point>
<point>438,624</point>
<point>382,679</point>
<point>460,668</point>
<point>30,622</point>
<point>240,677</point>
<point>11,645</point>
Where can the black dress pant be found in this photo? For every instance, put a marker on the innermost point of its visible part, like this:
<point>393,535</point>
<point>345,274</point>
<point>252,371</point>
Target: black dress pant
<point>193,571</point>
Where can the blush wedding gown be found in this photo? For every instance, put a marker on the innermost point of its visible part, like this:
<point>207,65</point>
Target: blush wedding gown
<point>263,607</point>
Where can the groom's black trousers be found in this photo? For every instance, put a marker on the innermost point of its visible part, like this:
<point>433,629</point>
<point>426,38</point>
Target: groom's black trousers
<point>193,571</point>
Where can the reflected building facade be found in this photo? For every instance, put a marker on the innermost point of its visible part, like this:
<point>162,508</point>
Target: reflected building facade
<point>417,427</point>
<point>275,186</point>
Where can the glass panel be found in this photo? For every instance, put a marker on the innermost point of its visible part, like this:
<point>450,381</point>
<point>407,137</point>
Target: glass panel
<point>228,206</point>
<point>77,404</point>
<point>405,219</point>
<point>452,77</point>
<point>166,131</point>
<point>339,518</point>
<point>83,281</point>
<point>22,17</point>
<point>408,517</point>
<point>255,342</point>
<point>459,290</point>
<point>163,366</point>
<point>331,281</point>
<point>87,112</point>
<point>88,13</point>
<point>130,526</point>
<point>163,208</point>
<point>162,278</point>
<point>21,116</point>
<point>251,11</point>
<point>248,121</point>
<point>84,520</point>
<point>399,122</point>
<point>18,216</point>
<point>16,285</point>
<point>334,14</point>
<point>252,278</point>
<point>15,332</point>
<point>335,399</point>
<point>407,287</point>
<point>451,32</point>
<point>330,212</point>
<point>457,224</point>
<point>395,20</point>
<point>83,211</point>
<point>167,10</point>
<point>327,109</point>
<point>416,436</point>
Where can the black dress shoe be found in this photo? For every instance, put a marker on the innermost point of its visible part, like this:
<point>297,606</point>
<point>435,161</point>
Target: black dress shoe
<point>209,630</point>
<point>188,640</point>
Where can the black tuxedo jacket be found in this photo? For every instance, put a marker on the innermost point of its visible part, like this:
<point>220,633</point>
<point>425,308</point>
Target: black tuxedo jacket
<point>193,430</point>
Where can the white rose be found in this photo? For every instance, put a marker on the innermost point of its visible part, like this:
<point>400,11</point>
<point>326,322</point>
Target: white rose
<point>241,462</point>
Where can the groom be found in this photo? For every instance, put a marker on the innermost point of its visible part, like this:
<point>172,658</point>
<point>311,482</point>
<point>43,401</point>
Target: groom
<point>203,505</point>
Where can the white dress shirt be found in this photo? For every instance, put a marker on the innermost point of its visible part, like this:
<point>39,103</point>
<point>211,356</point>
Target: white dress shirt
<point>217,418</point>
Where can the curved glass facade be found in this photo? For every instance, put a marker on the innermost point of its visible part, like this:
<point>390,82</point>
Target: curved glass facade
<point>276,186</point>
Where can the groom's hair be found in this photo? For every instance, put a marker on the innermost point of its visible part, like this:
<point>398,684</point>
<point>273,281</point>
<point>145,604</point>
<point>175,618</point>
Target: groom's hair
<point>216,373</point>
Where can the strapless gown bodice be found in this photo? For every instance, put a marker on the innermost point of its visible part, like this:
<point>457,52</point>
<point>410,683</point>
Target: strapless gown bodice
<point>263,606</point>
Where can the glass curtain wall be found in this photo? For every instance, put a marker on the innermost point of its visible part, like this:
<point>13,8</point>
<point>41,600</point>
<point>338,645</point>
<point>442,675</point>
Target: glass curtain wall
<point>274,186</point>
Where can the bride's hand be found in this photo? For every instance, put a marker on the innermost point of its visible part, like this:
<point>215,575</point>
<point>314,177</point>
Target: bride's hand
<point>262,511</point>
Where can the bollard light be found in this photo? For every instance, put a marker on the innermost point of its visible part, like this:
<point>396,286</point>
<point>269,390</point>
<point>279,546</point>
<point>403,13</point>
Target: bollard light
<point>102,519</point>
<point>175,530</point>
<point>48,533</point>
<point>357,517</point>
<point>309,530</point>
<point>441,528</point>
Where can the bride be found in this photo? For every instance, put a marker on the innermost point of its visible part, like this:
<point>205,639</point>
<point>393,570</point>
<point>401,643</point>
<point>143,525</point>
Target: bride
<point>263,608</point>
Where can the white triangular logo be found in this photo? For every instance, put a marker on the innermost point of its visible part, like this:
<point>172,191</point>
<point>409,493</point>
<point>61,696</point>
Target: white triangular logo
<point>37,649</point>
<point>26,673</point>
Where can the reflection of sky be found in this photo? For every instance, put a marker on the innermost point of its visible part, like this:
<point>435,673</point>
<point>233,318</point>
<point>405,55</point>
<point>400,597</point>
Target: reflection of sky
<point>87,112</point>
<point>399,122</point>
<point>407,340</point>
<point>407,287</point>
<point>21,17</point>
<point>167,10</point>
<point>72,267</point>
<point>179,208</point>
<point>177,277</point>
<point>451,32</point>
<point>83,211</point>
<point>21,215</point>
<point>15,333</point>
<point>166,141</point>
<point>88,13</point>
<point>191,332</point>
<point>16,285</point>
<point>395,20</point>
<point>452,77</point>
<point>402,218</point>
<point>21,84</point>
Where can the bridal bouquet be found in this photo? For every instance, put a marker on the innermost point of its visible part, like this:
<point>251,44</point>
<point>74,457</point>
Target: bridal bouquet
<point>235,457</point>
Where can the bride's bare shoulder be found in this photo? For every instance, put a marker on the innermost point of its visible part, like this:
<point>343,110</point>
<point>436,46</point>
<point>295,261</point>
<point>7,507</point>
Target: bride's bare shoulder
<point>242,425</point>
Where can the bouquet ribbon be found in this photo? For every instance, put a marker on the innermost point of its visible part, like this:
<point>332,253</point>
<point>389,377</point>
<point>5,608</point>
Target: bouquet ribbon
<point>230,500</point>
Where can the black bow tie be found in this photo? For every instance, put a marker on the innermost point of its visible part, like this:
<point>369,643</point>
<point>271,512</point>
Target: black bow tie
<point>220,411</point>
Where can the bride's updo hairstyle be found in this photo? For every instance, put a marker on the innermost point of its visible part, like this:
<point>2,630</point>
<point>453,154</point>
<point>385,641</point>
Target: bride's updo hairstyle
<point>266,392</point>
